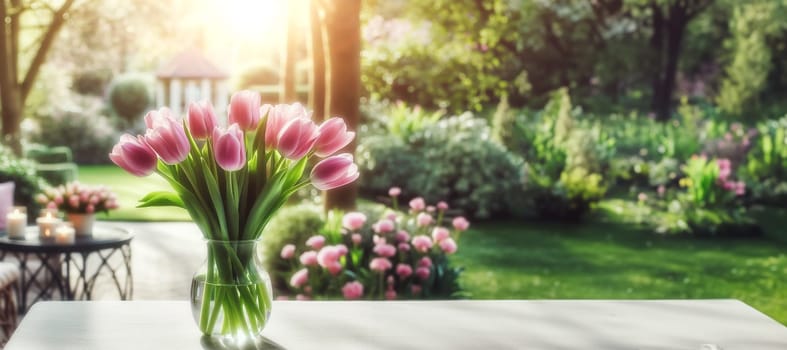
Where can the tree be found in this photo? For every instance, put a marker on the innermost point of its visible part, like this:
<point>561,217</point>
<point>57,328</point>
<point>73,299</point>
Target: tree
<point>318,81</point>
<point>669,19</point>
<point>343,29</point>
<point>15,85</point>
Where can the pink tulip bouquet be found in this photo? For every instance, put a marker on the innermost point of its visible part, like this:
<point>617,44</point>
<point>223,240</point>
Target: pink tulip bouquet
<point>231,180</point>
<point>76,198</point>
<point>401,256</point>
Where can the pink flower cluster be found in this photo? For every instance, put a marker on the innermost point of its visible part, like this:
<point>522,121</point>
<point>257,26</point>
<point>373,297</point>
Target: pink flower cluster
<point>725,178</point>
<point>288,129</point>
<point>394,257</point>
<point>74,197</point>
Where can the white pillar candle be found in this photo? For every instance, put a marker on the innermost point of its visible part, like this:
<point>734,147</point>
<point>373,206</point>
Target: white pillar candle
<point>47,224</point>
<point>16,221</point>
<point>64,234</point>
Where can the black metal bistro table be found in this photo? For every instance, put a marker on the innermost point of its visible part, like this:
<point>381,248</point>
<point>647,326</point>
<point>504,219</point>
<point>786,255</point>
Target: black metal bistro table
<point>70,271</point>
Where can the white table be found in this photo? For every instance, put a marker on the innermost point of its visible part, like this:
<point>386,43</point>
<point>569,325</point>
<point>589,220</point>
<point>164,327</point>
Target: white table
<point>564,324</point>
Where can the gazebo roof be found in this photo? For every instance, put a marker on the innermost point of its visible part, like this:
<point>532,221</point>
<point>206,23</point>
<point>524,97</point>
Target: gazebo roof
<point>190,64</point>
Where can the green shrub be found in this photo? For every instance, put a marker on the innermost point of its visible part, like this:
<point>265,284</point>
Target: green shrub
<point>92,82</point>
<point>765,168</point>
<point>88,134</point>
<point>290,225</point>
<point>453,160</point>
<point>565,160</point>
<point>129,97</point>
<point>26,183</point>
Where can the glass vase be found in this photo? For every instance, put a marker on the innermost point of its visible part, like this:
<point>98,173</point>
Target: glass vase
<point>231,293</point>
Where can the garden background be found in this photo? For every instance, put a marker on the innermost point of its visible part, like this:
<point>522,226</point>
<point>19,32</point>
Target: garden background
<point>602,149</point>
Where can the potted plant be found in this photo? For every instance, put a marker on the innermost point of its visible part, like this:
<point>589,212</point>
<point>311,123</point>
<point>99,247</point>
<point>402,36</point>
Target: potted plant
<point>80,203</point>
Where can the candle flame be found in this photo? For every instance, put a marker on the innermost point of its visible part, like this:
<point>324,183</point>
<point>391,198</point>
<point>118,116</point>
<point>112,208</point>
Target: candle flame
<point>49,215</point>
<point>47,233</point>
<point>16,211</point>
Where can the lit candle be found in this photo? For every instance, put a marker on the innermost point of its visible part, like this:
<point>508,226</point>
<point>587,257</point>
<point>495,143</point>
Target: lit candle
<point>47,225</point>
<point>16,222</point>
<point>64,234</point>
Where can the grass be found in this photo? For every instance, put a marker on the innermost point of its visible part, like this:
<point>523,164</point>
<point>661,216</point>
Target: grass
<point>129,190</point>
<point>513,260</point>
<point>596,260</point>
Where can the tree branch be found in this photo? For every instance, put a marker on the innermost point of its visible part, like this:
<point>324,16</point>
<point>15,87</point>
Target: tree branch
<point>58,19</point>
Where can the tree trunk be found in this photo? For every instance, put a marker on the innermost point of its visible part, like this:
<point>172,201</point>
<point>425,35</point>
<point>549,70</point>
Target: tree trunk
<point>656,54</point>
<point>317,95</point>
<point>14,92</point>
<point>675,33</point>
<point>289,56</point>
<point>344,94</point>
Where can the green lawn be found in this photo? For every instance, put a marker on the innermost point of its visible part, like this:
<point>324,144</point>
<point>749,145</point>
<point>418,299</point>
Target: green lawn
<point>595,260</point>
<point>129,190</point>
<point>507,260</point>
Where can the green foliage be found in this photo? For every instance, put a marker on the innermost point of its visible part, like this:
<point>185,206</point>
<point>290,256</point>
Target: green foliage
<point>129,97</point>
<point>92,82</point>
<point>23,173</point>
<point>453,160</point>
<point>751,57</point>
<point>403,121</point>
<point>702,177</point>
<point>82,128</point>
<point>564,161</point>
<point>766,164</point>
<point>290,225</point>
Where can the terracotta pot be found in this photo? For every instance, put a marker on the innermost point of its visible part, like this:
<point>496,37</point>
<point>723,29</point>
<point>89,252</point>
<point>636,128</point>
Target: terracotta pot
<point>83,223</point>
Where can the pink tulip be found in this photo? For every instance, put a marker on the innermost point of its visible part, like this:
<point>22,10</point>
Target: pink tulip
<point>422,273</point>
<point>460,223</point>
<point>385,250</point>
<point>229,148</point>
<point>378,240</point>
<point>416,289</point>
<point>405,247</point>
<point>357,238</point>
<point>352,290</point>
<point>391,216</point>
<point>383,226</point>
<point>301,297</point>
<point>448,245</point>
<point>425,262</point>
<point>394,191</point>
<point>244,109</point>
<point>166,136</point>
<point>430,209</point>
<point>404,270</point>
<point>90,209</point>
<point>334,171</point>
<point>440,233</point>
<point>422,243</point>
<point>73,201</point>
<point>297,138</point>
<point>288,252</point>
<point>402,236</point>
<point>390,294</point>
<point>423,219</point>
<point>134,156</point>
<point>201,119</point>
<point>327,256</point>
<point>380,264</point>
<point>51,205</point>
<point>442,205</point>
<point>315,242</point>
<point>282,297</point>
<point>309,258</point>
<point>389,281</point>
<point>342,249</point>
<point>334,268</point>
<point>417,204</point>
<point>278,116</point>
<point>299,278</point>
<point>740,188</point>
<point>333,137</point>
<point>353,221</point>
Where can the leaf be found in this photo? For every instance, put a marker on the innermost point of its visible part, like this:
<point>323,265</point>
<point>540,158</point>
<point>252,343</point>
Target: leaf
<point>161,199</point>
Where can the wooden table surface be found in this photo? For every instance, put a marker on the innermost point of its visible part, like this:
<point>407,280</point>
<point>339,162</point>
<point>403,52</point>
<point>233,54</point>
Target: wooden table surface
<point>557,324</point>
